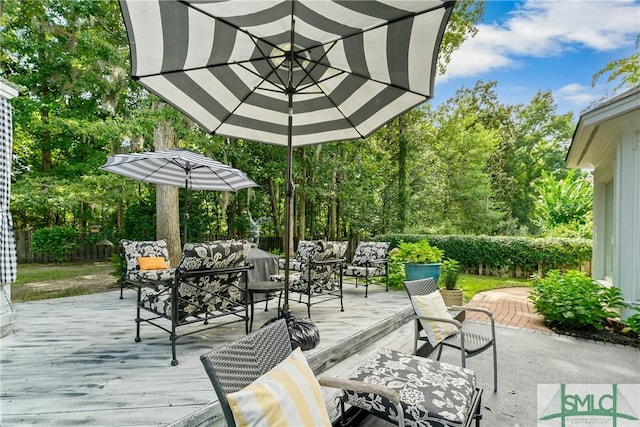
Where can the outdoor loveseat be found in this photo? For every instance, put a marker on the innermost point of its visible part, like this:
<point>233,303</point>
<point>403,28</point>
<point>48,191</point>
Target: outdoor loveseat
<point>209,282</point>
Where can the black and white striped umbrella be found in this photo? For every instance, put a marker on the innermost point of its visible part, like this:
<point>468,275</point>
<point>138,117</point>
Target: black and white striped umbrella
<point>287,72</point>
<point>180,168</point>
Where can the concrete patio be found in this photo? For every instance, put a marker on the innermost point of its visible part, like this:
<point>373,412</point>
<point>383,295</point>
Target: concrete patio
<point>74,361</point>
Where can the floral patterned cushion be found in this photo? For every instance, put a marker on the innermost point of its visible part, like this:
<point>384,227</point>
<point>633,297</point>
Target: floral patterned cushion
<point>367,252</point>
<point>153,248</point>
<point>135,249</point>
<point>322,276</point>
<point>432,394</point>
<point>207,292</point>
<point>302,255</point>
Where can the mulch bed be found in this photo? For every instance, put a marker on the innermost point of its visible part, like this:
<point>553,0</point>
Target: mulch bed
<point>611,333</point>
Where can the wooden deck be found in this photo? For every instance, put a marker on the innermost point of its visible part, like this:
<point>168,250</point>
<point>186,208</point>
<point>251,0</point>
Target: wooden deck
<point>73,361</point>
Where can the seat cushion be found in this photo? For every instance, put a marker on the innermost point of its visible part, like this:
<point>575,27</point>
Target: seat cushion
<point>287,395</point>
<point>366,252</point>
<point>147,248</point>
<point>432,394</point>
<point>142,276</point>
<point>432,305</point>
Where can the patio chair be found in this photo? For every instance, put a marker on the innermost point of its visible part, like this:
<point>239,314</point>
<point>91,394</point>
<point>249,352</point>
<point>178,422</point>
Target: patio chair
<point>321,277</point>
<point>301,257</point>
<point>263,363</point>
<point>441,329</point>
<point>142,261</point>
<point>209,282</point>
<point>369,260</point>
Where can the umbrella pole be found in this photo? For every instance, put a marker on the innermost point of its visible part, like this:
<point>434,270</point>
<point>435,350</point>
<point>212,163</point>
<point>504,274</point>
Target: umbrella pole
<point>186,208</point>
<point>288,220</point>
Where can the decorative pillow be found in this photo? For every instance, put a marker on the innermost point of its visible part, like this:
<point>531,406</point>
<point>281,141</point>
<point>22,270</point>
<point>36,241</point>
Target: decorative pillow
<point>287,395</point>
<point>433,305</point>
<point>152,263</point>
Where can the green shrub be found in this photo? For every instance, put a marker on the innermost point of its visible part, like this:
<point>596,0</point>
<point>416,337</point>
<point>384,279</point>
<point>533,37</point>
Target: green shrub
<point>450,273</point>
<point>55,242</point>
<point>574,300</point>
<point>420,252</point>
<point>507,253</point>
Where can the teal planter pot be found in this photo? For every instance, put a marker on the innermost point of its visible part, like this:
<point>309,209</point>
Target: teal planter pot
<point>422,271</point>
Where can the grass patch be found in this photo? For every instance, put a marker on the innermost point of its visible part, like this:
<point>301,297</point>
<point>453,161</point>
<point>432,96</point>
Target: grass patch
<point>45,281</point>
<point>33,272</point>
<point>472,284</point>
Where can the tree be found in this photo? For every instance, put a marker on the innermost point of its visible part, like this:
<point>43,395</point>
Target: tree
<point>626,69</point>
<point>564,207</point>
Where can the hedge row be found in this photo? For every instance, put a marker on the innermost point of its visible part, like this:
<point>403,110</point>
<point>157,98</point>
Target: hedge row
<point>505,252</point>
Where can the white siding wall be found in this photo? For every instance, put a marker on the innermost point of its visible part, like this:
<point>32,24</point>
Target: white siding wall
<point>626,268</point>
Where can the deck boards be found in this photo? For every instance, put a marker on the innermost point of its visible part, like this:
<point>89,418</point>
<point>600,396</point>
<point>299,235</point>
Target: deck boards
<point>73,361</point>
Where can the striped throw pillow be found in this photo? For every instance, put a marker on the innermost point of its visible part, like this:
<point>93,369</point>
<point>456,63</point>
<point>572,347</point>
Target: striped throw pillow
<point>287,395</point>
<point>432,305</point>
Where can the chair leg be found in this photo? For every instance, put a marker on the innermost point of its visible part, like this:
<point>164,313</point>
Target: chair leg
<point>495,368</point>
<point>439,351</point>
<point>138,314</point>
<point>366,287</point>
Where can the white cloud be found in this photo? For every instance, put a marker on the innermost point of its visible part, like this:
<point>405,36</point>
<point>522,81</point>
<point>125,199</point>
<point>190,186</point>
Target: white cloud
<point>580,96</point>
<point>545,29</point>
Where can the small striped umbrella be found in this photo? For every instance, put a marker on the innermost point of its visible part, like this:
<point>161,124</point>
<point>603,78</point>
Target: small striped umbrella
<point>180,168</point>
<point>287,72</point>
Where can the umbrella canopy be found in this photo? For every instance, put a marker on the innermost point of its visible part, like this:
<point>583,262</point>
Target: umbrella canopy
<point>287,72</point>
<point>180,168</point>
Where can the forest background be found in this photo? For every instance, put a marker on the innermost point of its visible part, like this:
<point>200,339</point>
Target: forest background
<point>471,165</point>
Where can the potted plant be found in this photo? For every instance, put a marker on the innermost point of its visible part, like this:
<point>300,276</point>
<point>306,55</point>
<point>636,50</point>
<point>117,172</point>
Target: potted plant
<point>421,260</point>
<point>449,278</point>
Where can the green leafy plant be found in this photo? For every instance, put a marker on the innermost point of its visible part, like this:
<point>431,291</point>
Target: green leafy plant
<point>420,252</point>
<point>55,242</point>
<point>450,273</point>
<point>574,300</point>
<point>633,322</point>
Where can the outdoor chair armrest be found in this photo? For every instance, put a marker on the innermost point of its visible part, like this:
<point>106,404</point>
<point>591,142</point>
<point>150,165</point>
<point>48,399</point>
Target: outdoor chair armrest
<point>329,261</point>
<point>370,263</point>
<point>361,387</point>
<point>195,273</point>
<point>476,309</point>
<point>440,319</point>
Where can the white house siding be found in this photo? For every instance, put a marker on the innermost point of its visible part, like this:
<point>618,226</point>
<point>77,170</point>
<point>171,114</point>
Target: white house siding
<point>626,267</point>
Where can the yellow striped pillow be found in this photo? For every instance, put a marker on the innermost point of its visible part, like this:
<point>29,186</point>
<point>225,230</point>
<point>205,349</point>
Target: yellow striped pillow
<point>287,395</point>
<point>433,305</point>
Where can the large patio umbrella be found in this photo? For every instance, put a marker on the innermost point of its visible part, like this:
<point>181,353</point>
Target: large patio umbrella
<point>287,72</point>
<point>8,264</point>
<point>180,168</point>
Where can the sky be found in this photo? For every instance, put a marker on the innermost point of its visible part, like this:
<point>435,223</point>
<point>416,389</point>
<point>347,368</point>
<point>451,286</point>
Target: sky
<point>531,46</point>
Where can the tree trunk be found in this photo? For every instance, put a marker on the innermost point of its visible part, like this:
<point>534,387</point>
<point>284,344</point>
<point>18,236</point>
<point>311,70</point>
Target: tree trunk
<point>167,201</point>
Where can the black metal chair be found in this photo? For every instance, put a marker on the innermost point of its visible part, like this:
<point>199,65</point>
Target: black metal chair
<point>468,343</point>
<point>369,260</point>
<point>235,366</point>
